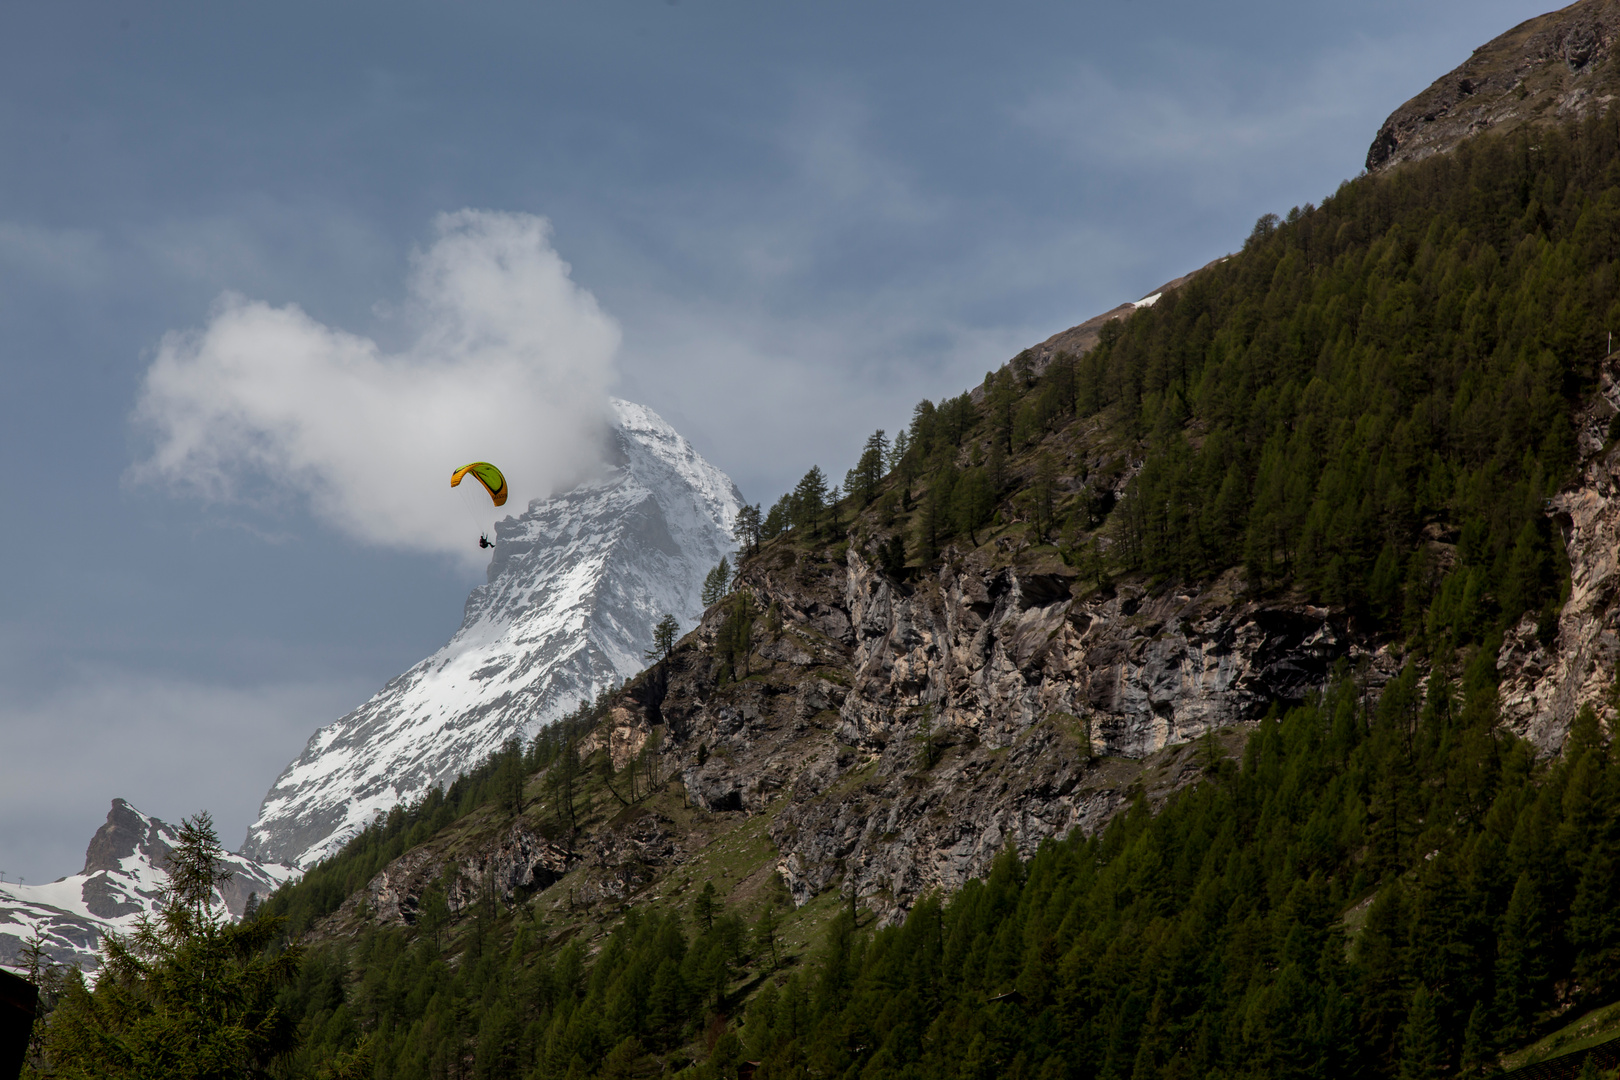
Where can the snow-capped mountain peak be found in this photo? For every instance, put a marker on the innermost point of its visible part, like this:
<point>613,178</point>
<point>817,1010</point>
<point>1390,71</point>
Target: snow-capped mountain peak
<point>574,589</point>
<point>123,878</point>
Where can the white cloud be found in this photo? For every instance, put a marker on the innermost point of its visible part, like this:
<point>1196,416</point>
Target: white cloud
<point>510,363</point>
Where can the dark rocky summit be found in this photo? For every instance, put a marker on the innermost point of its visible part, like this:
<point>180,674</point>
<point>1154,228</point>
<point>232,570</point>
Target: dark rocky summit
<point>1550,69</point>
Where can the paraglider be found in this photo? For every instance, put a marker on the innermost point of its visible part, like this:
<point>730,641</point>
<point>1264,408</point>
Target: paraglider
<point>485,474</point>
<point>492,480</point>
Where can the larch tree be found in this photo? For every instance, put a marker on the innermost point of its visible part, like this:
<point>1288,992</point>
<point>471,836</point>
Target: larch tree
<point>716,583</point>
<point>188,994</point>
<point>746,531</point>
<point>664,635</point>
<point>809,500</point>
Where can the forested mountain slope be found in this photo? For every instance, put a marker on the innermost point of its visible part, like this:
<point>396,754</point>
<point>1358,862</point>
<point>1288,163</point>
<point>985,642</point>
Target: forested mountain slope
<point>1138,715</point>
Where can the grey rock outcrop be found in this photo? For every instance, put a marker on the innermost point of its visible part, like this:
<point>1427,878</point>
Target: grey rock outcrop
<point>1544,684</point>
<point>517,860</point>
<point>903,736</point>
<point>1549,69</point>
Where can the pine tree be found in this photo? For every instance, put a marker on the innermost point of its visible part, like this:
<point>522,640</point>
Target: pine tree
<point>925,735</point>
<point>1044,492</point>
<point>734,642</point>
<point>433,911</point>
<point>892,557</point>
<point>1521,964</point>
<point>897,452</point>
<point>716,582</point>
<point>664,635</point>
<point>809,500</point>
<point>746,531</point>
<point>1381,953</point>
<point>974,503</point>
<point>779,520</point>
<point>563,781</point>
<point>509,776</point>
<point>49,979</point>
<point>765,935</point>
<point>1423,1052</point>
<point>187,995</point>
<point>704,907</point>
<point>862,481</point>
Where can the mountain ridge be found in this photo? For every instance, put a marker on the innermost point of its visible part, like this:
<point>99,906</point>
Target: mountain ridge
<point>1547,70</point>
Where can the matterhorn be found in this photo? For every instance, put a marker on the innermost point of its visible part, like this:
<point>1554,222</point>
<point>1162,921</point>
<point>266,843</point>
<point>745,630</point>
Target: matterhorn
<point>575,587</point>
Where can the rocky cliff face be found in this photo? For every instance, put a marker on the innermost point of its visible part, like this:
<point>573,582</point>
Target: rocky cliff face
<point>1550,69</point>
<point>900,736</point>
<point>893,738</point>
<point>1545,682</point>
<point>575,587</point>
<point>123,878</point>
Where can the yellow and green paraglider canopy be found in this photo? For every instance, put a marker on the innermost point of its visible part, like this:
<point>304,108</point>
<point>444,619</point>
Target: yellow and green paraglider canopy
<point>486,474</point>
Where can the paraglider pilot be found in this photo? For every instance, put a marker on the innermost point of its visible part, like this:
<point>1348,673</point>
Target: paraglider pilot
<point>494,483</point>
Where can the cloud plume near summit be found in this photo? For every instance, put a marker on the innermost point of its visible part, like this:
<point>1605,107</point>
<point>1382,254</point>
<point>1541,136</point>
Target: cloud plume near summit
<point>511,362</point>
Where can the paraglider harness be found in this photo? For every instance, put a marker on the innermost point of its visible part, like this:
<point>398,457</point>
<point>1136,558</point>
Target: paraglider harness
<point>484,541</point>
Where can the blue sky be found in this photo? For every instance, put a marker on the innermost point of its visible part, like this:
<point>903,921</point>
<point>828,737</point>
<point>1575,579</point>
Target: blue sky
<point>794,220</point>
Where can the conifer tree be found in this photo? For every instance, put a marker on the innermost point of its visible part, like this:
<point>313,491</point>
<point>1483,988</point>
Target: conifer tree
<point>780,518</point>
<point>563,781</point>
<point>1044,492</point>
<point>510,776</point>
<point>897,452</point>
<point>664,635</point>
<point>1423,1052</point>
<point>1521,965</point>
<point>862,481</point>
<point>746,532</point>
<point>1001,402</point>
<point>433,910</point>
<point>973,503</point>
<point>995,468</point>
<point>187,995</point>
<point>765,935</point>
<point>809,500</point>
<point>704,907</point>
<point>49,979</point>
<point>734,642</point>
<point>716,583</point>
